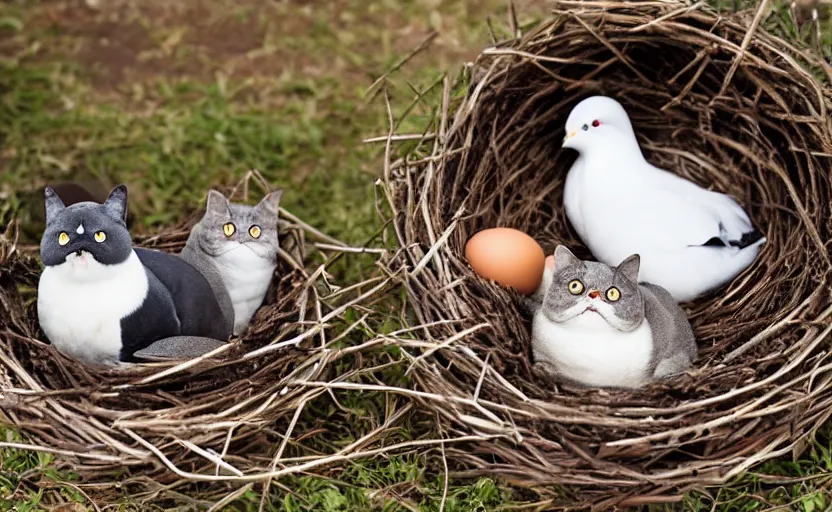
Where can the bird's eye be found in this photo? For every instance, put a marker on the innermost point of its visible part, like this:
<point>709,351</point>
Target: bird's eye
<point>575,286</point>
<point>229,229</point>
<point>63,238</point>
<point>596,123</point>
<point>585,127</point>
<point>613,294</point>
<point>254,231</point>
<point>100,236</point>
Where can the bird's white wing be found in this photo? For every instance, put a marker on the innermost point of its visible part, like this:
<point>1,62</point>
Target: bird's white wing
<point>731,215</point>
<point>631,212</point>
<point>663,217</point>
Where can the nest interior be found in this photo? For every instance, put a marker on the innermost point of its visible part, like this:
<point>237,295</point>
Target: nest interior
<point>202,431</point>
<point>740,114</point>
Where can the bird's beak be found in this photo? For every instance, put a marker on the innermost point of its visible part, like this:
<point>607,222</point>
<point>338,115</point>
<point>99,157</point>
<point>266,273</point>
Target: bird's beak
<point>568,136</point>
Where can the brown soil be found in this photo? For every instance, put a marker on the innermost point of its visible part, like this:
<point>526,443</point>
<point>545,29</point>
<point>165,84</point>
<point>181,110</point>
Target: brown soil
<point>128,42</point>
<point>125,42</point>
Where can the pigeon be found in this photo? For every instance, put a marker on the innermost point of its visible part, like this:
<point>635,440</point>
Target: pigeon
<point>691,240</point>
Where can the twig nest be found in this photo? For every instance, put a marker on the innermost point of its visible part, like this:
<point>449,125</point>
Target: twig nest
<point>747,118</point>
<point>236,420</point>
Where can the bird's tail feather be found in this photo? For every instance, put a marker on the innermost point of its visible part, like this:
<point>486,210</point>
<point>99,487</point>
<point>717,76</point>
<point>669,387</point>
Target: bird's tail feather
<point>720,273</point>
<point>706,269</point>
<point>746,240</point>
<point>749,239</point>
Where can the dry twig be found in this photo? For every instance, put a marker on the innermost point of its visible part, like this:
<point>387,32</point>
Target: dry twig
<point>763,381</point>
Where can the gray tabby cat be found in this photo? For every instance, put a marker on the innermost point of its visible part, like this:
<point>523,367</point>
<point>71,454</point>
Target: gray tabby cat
<point>595,325</point>
<point>239,244</point>
<point>103,302</point>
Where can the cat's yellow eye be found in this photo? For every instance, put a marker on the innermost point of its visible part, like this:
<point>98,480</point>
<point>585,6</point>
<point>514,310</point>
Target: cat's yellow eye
<point>229,229</point>
<point>613,294</point>
<point>100,236</point>
<point>575,286</point>
<point>63,238</point>
<point>255,231</point>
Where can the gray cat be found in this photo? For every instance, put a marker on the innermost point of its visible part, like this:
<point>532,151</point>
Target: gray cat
<point>596,326</point>
<point>103,302</point>
<point>239,243</point>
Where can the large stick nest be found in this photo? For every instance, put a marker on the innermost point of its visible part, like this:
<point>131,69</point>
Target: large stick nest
<point>712,98</point>
<point>258,409</point>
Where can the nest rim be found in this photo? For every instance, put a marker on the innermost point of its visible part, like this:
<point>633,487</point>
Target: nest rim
<point>439,186</point>
<point>229,417</point>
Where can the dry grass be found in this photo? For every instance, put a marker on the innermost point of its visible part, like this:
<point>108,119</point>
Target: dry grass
<point>725,105</point>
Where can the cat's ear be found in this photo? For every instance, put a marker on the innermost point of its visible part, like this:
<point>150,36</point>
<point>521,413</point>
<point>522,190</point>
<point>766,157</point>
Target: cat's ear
<point>629,268</point>
<point>116,203</point>
<point>564,257</point>
<point>217,203</point>
<point>52,203</point>
<point>271,202</point>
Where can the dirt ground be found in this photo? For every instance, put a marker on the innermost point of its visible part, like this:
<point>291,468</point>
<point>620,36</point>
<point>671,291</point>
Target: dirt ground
<point>127,42</point>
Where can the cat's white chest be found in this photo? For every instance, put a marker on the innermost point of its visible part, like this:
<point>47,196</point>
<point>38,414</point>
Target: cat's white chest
<point>587,349</point>
<point>81,304</point>
<point>247,277</point>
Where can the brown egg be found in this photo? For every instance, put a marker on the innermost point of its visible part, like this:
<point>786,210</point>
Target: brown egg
<point>507,256</point>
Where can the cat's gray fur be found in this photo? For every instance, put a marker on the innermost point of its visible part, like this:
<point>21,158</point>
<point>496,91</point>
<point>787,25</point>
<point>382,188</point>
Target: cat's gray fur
<point>244,264</point>
<point>673,342</point>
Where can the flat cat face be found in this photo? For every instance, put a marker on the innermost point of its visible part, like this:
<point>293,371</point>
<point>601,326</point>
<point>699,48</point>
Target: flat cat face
<point>86,235</point>
<point>590,288</point>
<point>228,226</point>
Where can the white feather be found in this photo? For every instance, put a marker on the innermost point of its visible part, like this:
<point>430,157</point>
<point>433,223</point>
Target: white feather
<point>622,205</point>
<point>589,350</point>
<point>572,197</point>
<point>81,303</point>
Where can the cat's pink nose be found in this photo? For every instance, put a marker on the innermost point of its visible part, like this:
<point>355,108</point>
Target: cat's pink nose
<point>594,294</point>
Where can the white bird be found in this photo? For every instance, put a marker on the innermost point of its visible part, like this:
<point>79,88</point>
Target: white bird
<point>690,240</point>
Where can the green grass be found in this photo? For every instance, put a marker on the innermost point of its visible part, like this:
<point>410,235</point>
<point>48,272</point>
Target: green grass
<point>388,483</point>
<point>798,485</point>
<point>177,120</point>
<point>28,481</point>
<point>184,138</point>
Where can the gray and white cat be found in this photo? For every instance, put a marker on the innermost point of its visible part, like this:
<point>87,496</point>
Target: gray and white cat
<point>240,242</point>
<point>103,302</point>
<point>595,325</point>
